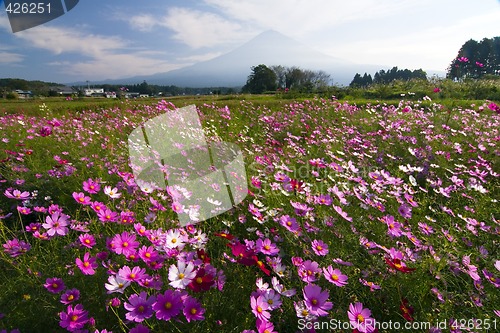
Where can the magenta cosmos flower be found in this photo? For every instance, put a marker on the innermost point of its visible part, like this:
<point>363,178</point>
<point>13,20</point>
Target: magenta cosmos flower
<point>316,300</point>
<point>319,247</point>
<point>168,305</point>
<point>57,223</point>
<point>74,318</point>
<point>54,285</point>
<point>87,265</point>
<point>140,307</point>
<point>335,276</point>
<point>360,318</point>
<point>192,309</point>
<point>70,296</point>
<point>91,186</point>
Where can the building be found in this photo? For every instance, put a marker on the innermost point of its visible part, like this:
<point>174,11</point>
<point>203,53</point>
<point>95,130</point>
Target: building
<point>93,92</point>
<point>24,94</point>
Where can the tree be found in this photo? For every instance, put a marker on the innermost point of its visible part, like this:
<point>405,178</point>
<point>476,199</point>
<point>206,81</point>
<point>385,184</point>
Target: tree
<point>260,80</point>
<point>476,59</point>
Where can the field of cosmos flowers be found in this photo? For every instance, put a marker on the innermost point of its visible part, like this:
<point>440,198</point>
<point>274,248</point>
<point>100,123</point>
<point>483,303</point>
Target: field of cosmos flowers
<point>356,217</point>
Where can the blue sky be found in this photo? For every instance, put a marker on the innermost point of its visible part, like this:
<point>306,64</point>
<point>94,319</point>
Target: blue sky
<point>113,39</point>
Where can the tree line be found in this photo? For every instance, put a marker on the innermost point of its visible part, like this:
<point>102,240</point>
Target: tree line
<point>263,78</point>
<point>384,77</point>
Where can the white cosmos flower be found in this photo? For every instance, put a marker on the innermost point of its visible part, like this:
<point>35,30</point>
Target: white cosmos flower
<point>181,275</point>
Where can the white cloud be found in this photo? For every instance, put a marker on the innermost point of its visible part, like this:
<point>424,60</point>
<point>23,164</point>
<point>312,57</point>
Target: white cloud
<point>193,28</point>
<point>114,67</point>
<point>202,29</point>
<point>143,22</point>
<point>10,58</point>
<point>300,17</point>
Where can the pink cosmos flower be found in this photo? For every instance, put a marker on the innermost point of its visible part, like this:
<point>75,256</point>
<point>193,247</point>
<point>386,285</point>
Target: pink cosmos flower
<point>140,307</point>
<point>87,265</point>
<point>124,243</point>
<point>91,186</point>
<point>360,318</point>
<point>319,247</point>
<point>492,279</point>
<point>81,198</point>
<point>74,318</point>
<point>56,224</point>
<point>342,213</point>
<point>266,247</point>
<point>259,308</point>
<point>316,300</point>
<point>405,211</point>
<point>87,240</point>
<point>168,305</point>
<point>15,247</point>
<point>309,271</point>
<point>54,285</point>
<point>335,276</point>
<point>98,206</point>
<point>135,274</point>
<point>16,194</point>
<point>192,309</point>
<point>106,215</point>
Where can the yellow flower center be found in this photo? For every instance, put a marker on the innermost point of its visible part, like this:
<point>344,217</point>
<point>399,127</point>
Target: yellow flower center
<point>168,305</point>
<point>147,255</point>
<point>125,244</point>
<point>132,275</point>
<point>360,318</point>
<point>314,301</point>
<point>199,280</point>
<point>181,275</point>
<point>259,309</point>
<point>140,309</point>
<point>267,247</point>
<point>335,277</point>
<point>174,240</point>
<point>70,297</point>
<point>74,318</point>
<point>319,248</point>
<point>193,311</point>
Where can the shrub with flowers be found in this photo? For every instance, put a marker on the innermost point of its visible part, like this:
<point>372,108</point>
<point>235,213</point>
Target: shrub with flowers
<point>358,214</point>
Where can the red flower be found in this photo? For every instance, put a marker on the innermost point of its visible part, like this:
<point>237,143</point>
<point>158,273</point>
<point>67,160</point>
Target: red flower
<point>398,265</point>
<point>203,256</point>
<point>224,235</point>
<point>261,265</point>
<point>202,281</point>
<point>406,310</point>
<point>243,256</point>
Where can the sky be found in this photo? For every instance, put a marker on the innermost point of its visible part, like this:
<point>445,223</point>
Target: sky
<point>112,39</point>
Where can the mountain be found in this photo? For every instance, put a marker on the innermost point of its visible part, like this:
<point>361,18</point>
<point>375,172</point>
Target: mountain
<point>269,48</point>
